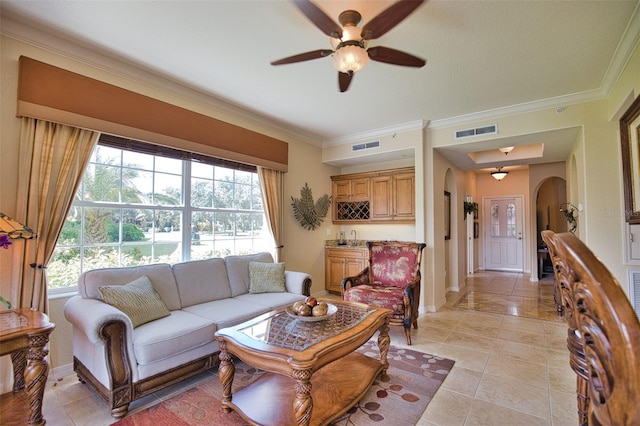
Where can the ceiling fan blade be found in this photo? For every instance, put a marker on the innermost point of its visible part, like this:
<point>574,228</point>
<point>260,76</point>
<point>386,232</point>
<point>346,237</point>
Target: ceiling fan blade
<point>389,18</point>
<point>316,54</point>
<point>344,80</point>
<point>319,18</point>
<point>394,57</point>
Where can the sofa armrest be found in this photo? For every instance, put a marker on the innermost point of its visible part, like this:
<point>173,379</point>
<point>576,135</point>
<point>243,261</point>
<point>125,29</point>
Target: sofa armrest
<point>89,316</point>
<point>109,330</point>
<point>297,282</point>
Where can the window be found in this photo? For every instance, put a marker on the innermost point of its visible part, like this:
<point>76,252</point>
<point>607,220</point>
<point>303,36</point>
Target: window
<point>150,204</point>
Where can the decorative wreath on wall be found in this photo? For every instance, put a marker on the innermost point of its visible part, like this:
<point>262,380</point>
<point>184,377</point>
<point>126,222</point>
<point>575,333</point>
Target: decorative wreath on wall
<point>308,213</point>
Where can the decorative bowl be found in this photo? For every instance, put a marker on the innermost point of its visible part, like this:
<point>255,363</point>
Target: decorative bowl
<point>331,311</point>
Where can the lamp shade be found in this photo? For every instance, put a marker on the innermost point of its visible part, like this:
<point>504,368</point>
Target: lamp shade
<point>499,174</point>
<point>14,229</point>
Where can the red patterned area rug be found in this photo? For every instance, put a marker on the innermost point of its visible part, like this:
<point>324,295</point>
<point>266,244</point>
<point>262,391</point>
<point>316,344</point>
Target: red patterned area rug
<point>400,398</point>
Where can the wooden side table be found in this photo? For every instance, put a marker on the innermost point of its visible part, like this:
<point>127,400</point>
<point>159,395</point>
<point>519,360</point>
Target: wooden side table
<point>24,333</point>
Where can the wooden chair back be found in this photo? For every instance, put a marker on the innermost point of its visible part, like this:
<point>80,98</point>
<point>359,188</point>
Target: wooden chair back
<point>610,332</point>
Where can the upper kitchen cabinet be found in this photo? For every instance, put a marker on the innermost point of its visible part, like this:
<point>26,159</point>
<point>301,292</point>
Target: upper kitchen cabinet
<point>374,197</point>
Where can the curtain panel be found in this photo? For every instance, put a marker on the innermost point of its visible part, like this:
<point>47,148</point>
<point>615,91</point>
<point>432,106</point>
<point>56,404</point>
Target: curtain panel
<point>272,186</point>
<point>52,160</point>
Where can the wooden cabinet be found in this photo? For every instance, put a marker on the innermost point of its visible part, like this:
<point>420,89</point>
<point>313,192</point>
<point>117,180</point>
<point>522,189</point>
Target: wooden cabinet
<point>384,196</point>
<point>351,189</point>
<point>343,262</point>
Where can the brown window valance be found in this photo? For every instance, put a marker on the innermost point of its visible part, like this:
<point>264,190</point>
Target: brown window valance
<point>54,94</point>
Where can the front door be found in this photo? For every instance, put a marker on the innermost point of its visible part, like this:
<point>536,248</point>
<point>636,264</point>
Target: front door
<point>503,224</point>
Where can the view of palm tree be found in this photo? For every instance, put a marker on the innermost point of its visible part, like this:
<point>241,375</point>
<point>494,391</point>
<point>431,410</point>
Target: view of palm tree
<point>130,209</point>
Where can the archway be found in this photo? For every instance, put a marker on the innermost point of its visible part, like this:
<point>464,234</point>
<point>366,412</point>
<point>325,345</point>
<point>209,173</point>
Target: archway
<point>551,194</point>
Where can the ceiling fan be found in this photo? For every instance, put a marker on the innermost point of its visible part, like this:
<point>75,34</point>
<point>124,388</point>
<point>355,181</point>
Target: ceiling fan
<point>349,41</point>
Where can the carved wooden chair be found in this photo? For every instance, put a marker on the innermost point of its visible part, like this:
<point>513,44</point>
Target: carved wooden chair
<point>392,280</point>
<point>610,333</point>
<point>577,358</point>
<point>547,237</point>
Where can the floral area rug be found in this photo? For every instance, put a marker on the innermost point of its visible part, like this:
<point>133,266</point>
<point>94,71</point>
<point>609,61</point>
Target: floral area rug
<point>399,398</point>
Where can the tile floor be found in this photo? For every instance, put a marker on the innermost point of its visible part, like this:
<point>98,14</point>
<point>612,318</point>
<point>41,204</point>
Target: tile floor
<point>502,330</point>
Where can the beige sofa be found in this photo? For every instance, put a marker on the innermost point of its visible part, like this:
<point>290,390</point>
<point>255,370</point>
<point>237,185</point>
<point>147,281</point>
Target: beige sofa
<point>123,363</point>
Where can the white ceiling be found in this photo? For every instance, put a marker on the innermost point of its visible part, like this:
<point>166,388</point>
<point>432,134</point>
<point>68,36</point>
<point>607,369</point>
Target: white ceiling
<point>481,56</point>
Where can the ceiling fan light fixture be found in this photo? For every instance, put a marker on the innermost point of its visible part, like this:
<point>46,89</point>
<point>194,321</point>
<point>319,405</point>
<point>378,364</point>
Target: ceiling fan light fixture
<point>499,174</point>
<point>350,57</point>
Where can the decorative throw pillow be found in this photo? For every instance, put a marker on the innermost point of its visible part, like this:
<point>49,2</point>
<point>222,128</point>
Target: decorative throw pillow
<point>266,277</point>
<point>138,299</point>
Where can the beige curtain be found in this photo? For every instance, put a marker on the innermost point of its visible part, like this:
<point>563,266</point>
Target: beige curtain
<point>272,185</point>
<point>52,160</point>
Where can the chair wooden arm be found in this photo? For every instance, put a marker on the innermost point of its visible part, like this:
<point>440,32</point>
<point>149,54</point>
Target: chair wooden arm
<point>361,278</point>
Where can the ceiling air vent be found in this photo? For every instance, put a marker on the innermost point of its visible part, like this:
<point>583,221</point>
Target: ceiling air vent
<point>365,145</point>
<point>490,129</point>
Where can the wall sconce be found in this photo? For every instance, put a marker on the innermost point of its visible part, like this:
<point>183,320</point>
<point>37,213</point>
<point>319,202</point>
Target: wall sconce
<point>499,174</point>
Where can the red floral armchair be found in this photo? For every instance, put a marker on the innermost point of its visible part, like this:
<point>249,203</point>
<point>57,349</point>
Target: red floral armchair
<point>392,280</point>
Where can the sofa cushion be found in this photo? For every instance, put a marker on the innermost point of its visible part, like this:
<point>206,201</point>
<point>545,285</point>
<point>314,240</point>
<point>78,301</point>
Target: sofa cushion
<point>271,300</point>
<point>266,277</point>
<point>172,335</point>
<point>238,270</point>
<point>201,281</point>
<point>159,274</point>
<point>137,299</point>
<point>228,312</point>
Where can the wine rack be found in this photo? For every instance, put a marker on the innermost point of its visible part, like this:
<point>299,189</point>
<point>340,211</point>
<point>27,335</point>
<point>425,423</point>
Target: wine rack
<point>353,210</point>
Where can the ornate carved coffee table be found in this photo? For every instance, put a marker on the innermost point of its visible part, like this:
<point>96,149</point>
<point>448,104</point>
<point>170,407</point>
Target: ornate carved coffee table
<point>313,374</point>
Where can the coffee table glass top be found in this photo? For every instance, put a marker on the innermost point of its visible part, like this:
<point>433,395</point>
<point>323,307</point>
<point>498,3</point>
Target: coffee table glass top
<point>283,330</point>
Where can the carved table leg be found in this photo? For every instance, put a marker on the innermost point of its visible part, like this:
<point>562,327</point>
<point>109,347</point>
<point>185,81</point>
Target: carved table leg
<point>226,372</point>
<point>19,361</point>
<point>302,403</point>
<point>36,377</point>
<point>384,341</point>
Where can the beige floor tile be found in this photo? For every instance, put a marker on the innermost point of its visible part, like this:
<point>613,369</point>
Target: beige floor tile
<point>477,328</point>
<point>522,324</point>
<point>471,359</point>
<point>514,394</point>
<point>562,380</point>
<point>558,358</point>
<point>447,408</point>
<point>524,337</point>
<point>506,366</point>
<point>487,414</point>
<point>564,408</point>
<point>527,353</point>
<point>462,380</point>
<point>470,341</point>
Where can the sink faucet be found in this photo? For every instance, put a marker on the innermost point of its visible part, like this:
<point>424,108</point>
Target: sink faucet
<point>355,235</point>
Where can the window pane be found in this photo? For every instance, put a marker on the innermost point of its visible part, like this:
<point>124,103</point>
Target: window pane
<point>223,194</point>
<point>137,160</point>
<point>201,170</point>
<point>102,183</point>
<point>201,193</point>
<point>129,210</point>
<point>167,189</point>
<point>101,225</point>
